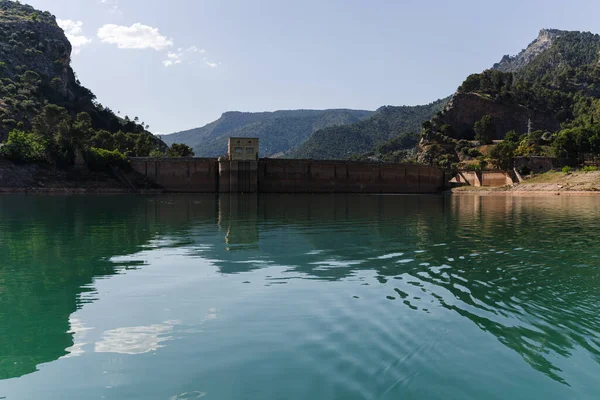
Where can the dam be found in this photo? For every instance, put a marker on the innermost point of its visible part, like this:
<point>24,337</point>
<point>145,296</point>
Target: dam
<point>242,171</point>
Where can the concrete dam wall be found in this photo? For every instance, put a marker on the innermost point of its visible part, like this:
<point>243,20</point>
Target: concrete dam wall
<point>209,175</point>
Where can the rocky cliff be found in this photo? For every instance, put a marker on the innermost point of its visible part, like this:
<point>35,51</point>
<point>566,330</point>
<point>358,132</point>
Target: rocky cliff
<point>35,64</point>
<point>543,42</point>
<point>35,72</point>
<point>554,84</point>
<point>465,109</point>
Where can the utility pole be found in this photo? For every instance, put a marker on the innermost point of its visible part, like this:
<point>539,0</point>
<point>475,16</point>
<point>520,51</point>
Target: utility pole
<point>529,127</point>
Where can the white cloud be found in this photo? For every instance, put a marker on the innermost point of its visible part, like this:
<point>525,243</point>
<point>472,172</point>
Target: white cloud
<point>139,36</point>
<point>113,6</point>
<point>136,36</point>
<point>170,63</point>
<point>180,55</point>
<point>70,26</point>
<point>194,49</point>
<point>73,32</point>
<point>211,64</point>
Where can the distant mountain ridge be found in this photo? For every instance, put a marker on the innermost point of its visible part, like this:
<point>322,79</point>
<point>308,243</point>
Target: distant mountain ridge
<point>279,131</point>
<point>388,122</point>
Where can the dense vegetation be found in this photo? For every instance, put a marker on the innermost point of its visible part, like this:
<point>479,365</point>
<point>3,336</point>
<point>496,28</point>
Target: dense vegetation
<point>402,148</point>
<point>45,112</point>
<point>279,131</point>
<point>563,81</point>
<point>340,142</point>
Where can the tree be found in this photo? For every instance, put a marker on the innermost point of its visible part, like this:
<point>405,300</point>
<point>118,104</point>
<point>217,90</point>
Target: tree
<point>503,154</point>
<point>53,125</point>
<point>565,145</point>
<point>484,130</point>
<point>512,137</point>
<point>102,139</point>
<point>52,121</point>
<point>82,129</point>
<point>180,150</point>
<point>24,147</point>
<point>120,141</point>
<point>144,145</point>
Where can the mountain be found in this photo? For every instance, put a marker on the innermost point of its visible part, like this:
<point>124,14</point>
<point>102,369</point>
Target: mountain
<point>388,122</point>
<point>552,86</point>
<point>41,98</point>
<point>278,131</point>
<point>544,41</point>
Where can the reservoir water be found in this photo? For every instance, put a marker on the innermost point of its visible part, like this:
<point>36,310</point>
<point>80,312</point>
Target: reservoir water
<point>299,297</point>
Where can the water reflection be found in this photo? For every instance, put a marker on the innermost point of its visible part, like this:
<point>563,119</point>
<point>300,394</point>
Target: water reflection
<point>135,339</point>
<point>525,270</point>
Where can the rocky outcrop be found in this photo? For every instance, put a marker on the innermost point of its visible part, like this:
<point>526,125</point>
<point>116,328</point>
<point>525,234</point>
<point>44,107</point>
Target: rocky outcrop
<point>514,63</point>
<point>35,65</point>
<point>465,109</point>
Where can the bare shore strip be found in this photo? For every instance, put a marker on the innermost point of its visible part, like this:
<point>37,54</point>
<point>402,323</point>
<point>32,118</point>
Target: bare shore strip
<point>552,183</point>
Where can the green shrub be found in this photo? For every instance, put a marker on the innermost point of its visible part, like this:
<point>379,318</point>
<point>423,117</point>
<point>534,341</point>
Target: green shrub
<point>473,153</point>
<point>589,168</point>
<point>157,154</point>
<point>474,167</point>
<point>102,159</point>
<point>180,150</point>
<point>24,147</point>
<point>566,169</point>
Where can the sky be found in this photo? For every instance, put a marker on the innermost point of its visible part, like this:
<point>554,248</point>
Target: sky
<point>179,64</point>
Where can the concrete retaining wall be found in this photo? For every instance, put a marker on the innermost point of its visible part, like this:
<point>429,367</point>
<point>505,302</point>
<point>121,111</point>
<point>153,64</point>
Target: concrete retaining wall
<point>496,179</point>
<point>203,175</point>
<point>189,175</point>
<point>536,164</point>
<point>485,178</point>
<point>307,176</point>
<point>470,178</point>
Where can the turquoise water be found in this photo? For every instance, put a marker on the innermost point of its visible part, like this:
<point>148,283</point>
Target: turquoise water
<point>299,297</point>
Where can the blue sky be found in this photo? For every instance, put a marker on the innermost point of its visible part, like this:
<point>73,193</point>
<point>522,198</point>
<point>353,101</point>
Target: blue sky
<point>180,64</point>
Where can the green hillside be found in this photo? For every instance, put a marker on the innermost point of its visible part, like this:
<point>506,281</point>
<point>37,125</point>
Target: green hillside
<point>278,131</point>
<point>340,142</point>
<point>45,112</point>
<point>551,89</point>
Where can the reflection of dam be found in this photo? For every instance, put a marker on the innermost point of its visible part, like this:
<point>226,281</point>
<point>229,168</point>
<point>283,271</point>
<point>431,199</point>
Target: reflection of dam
<point>238,217</point>
<point>55,247</point>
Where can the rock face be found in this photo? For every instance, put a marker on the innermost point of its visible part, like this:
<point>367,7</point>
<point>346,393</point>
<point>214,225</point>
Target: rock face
<point>514,63</point>
<point>465,109</point>
<point>35,66</point>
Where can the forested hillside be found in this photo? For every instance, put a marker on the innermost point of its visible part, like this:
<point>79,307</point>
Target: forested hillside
<point>341,142</point>
<point>278,131</point>
<point>45,112</point>
<point>553,92</point>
